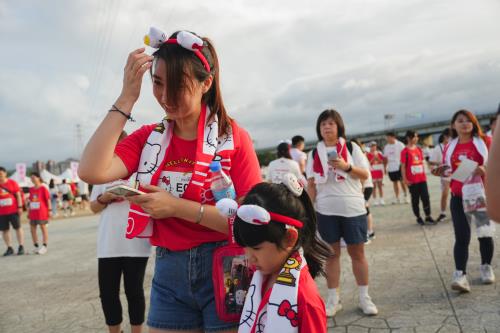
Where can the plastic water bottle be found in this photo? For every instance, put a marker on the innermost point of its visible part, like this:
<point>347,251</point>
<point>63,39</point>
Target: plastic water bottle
<point>222,186</point>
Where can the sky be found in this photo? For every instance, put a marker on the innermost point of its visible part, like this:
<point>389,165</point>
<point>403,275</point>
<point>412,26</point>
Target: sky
<point>281,62</point>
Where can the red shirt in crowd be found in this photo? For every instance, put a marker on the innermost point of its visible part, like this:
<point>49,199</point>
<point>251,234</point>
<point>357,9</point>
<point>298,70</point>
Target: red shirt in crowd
<point>414,165</point>
<point>39,203</point>
<point>8,199</point>
<point>376,164</point>
<point>462,151</point>
<point>177,234</point>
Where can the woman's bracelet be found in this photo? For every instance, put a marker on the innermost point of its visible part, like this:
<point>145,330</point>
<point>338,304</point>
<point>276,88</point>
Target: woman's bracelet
<point>200,214</point>
<point>98,199</point>
<point>126,115</point>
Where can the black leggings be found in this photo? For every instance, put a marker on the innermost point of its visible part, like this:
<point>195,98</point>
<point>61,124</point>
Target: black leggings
<point>110,271</point>
<point>419,192</point>
<point>462,230</point>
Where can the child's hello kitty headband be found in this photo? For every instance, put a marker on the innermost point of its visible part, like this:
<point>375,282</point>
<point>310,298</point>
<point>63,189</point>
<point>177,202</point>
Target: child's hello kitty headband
<point>155,38</point>
<point>257,215</point>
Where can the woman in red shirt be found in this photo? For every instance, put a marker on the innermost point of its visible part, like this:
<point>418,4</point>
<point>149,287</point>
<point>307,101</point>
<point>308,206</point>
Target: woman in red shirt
<point>171,159</point>
<point>413,172</point>
<point>39,212</point>
<point>468,142</point>
<point>376,160</point>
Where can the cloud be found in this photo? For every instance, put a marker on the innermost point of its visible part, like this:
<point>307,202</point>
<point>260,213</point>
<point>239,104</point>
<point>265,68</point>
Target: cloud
<point>281,63</point>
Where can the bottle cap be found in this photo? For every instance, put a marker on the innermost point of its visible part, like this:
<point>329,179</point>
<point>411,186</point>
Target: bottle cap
<point>215,166</point>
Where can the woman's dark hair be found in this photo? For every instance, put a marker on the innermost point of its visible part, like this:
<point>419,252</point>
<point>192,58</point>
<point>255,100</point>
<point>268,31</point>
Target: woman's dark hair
<point>297,139</point>
<point>283,150</point>
<point>51,183</point>
<point>445,133</point>
<point>278,199</point>
<point>409,135</point>
<point>181,65</point>
<point>336,117</point>
<point>476,128</point>
<point>36,174</point>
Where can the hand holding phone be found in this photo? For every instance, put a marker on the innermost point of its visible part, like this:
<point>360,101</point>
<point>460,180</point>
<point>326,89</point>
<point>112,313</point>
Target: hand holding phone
<point>332,155</point>
<point>124,191</point>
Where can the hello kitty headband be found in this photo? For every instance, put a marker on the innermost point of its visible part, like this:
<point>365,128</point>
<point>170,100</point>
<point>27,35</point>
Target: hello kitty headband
<point>257,215</point>
<point>155,38</point>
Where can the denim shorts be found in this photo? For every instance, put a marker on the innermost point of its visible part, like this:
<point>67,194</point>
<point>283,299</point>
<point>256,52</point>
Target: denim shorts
<point>352,229</point>
<point>182,293</point>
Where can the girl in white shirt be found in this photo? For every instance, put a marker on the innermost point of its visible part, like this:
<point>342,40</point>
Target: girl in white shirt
<point>283,165</point>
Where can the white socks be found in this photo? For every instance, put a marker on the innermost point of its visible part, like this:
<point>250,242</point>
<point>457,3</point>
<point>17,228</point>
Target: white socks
<point>333,296</point>
<point>363,292</point>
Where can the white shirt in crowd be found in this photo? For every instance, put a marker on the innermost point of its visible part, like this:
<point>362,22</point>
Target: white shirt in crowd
<point>393,154</point>
<point>298,155</point>
<point>343,197</point>
<point>64,188</point>
<point>111,240</point>
<point>436,154</point>
<point>281,166</point>
<point>83,187</point>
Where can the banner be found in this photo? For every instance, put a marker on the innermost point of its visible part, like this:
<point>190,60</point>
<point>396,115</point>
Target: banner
<point>21,172</point>
<point>74,170</point>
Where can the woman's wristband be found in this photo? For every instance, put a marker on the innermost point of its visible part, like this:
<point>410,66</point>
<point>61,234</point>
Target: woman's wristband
<point>114,108</point>
<point>200,214</point>
<point>349,169</point>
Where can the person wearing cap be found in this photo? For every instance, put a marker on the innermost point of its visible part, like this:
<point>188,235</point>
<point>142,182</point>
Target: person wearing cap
<point>282,165</point>
<point>171,160</point>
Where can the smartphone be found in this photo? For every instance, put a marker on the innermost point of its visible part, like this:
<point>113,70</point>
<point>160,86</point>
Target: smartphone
<point>332,155</point>
<point>124,191</point>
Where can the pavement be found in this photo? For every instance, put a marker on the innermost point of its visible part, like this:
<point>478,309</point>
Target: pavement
<point>410,275</point>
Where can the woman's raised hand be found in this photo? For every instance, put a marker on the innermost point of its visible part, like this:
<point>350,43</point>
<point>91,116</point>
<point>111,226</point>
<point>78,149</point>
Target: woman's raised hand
<point>138,63</point>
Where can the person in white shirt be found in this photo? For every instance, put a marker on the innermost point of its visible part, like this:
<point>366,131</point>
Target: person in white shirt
<point>297,152</point>
<point>392,155</point>
<point>335,171</point>
<point>83,193</point>
<point>119,256</point>
<point>283,165</point>
<point>435,161</point>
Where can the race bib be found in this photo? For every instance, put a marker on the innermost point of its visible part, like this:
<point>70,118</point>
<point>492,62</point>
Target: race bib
<point>174,182</point>
<point>6,202</point>
<point>417,169</point>
<point>35,205</point>
<point>378,167</point>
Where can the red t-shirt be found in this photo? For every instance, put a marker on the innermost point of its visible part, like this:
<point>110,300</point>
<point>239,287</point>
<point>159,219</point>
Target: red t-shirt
<point>177,234</point>
<point>414,165</point>
<point>463,150</point>
<point>8,199</point>
<point>39,203</point>
<point>311,312</point>
<point>376,164</point>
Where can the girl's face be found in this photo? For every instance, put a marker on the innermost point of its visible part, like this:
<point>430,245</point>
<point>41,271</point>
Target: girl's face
<point>373,148</point>
<point>414,140</point>
<point>463,125</point>
<point>267,257</point>
<point>190,98</point>
<point>328,129</point>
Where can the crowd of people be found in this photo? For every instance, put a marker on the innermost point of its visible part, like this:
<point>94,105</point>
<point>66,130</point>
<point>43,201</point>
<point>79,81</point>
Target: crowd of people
<point>292,228</point>
<point>41,202</point>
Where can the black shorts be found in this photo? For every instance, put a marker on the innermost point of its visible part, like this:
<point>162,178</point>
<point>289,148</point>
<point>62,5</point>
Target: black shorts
<point>367,193</point>
<point>395,176</point>
<point>85,197</point>
<point>12,219</point>
<point>65,197</point>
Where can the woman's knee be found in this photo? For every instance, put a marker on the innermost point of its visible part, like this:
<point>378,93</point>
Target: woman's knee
<point>356,252</point>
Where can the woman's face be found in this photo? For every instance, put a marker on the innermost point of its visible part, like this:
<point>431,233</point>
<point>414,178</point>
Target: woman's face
<point>463,125</point>
<point>328,129</point>
<point>190,99</point>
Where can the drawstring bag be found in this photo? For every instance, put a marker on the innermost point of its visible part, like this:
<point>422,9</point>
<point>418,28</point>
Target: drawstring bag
<point>231,278</point>
<point>474,202</point>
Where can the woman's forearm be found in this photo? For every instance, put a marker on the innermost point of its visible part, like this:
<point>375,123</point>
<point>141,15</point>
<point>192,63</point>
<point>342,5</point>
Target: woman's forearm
<point>211,218</point>
<point>359,173</point>
<point>98,164</point>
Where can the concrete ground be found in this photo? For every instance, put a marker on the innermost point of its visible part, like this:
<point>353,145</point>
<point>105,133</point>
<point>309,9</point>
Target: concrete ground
<point>410,273</point>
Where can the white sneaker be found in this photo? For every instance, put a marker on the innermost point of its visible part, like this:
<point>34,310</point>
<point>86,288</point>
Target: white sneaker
<point>367,306</point>
<point>375,202</point>
<point>407,200</point>
<point>460,282</point>
<point>382,202</point>
<point>332,308</point>
<point>35,250</point>
<point>487,275</point>
<point>42,250</point>
<point>395,201</point>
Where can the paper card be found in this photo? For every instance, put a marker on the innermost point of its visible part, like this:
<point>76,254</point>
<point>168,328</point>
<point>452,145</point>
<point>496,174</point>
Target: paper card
<point>464,170</point>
